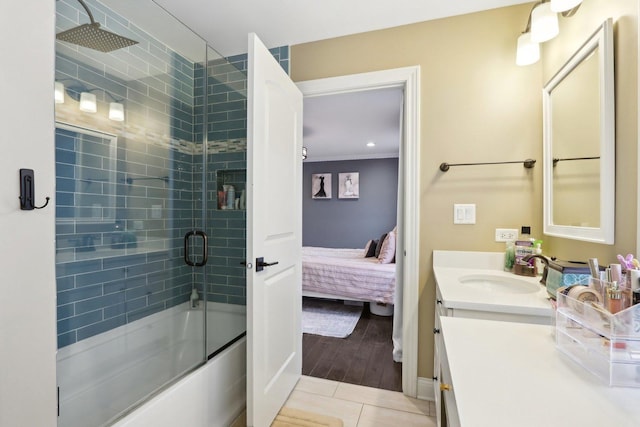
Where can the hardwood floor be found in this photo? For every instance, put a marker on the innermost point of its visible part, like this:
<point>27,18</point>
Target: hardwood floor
<point>363,358</point>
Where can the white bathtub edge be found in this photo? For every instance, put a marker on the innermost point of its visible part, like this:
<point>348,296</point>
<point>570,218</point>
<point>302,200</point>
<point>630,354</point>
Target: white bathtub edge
<point>213,395</point>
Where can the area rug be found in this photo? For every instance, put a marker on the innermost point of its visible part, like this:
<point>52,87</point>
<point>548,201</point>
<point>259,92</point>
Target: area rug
<point>289,417</point>
<point>329,318</point>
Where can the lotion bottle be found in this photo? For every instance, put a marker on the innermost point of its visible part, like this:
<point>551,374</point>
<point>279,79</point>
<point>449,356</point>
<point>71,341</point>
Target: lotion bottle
<point>614,298</point>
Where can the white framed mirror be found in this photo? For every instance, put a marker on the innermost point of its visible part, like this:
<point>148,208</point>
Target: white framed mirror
<point>579,143</point>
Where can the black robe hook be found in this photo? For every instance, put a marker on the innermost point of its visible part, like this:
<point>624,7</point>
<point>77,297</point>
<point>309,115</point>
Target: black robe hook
<point>27,191</point>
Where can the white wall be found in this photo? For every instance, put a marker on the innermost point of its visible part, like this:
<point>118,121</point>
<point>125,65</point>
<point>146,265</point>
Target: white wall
<point>27,264</point>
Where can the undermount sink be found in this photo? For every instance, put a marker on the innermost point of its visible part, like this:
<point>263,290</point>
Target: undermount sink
<point>499,284</point>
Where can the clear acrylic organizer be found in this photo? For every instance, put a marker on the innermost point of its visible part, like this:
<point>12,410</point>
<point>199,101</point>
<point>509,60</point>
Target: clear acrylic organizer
<point>607,345</point>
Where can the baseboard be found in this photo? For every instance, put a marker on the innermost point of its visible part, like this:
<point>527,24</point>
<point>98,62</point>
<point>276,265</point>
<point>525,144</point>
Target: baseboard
<point>425,389</point>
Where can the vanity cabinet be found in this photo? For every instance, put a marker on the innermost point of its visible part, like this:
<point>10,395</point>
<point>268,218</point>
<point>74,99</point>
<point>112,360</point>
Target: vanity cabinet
<point>508,374</point>
<point>461,292</point>
<point>445,400</point>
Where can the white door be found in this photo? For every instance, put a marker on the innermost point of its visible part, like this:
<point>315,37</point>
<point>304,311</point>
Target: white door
<point>274,233</point>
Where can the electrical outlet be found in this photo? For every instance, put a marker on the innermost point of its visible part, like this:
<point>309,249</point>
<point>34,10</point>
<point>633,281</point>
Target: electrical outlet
<point>506,234</point>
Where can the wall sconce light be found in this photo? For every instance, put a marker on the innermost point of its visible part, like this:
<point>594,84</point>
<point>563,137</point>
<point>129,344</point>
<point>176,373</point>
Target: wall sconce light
<point>542,26</point>
<point>59,93</point>
<point>88,101</point>
<point>564,5</point>
<point>528,51</point>
<point>544,23</point>
<point>116,111</point>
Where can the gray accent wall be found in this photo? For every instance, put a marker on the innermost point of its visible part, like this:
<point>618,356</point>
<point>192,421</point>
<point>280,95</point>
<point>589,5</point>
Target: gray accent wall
<point>350,223</point>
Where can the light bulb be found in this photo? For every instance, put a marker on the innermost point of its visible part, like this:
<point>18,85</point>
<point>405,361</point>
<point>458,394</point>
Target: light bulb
<point>59,93</point>
<point>564,5</point>
<point>528,51</point>
<point>116,111</point>
<point>544,23</point>
<point>88,102</point>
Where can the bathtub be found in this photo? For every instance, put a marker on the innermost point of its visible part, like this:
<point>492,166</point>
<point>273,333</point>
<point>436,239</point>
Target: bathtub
<point>102,376</point>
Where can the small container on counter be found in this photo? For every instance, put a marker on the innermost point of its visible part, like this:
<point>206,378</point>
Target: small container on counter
<point>509,256</point>
<point>614,298</point>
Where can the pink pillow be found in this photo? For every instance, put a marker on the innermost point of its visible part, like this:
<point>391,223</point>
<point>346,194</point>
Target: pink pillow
<point>388,251</point>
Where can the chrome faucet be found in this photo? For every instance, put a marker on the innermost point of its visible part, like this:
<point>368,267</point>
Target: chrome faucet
<point>544,260</point>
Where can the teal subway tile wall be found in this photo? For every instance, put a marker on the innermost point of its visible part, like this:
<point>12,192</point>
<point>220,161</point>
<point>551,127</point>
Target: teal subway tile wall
<point>127,192</point>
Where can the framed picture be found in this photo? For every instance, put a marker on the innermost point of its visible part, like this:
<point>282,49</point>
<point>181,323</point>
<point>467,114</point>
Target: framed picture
<point>321,186</point>
<point>349,185</point>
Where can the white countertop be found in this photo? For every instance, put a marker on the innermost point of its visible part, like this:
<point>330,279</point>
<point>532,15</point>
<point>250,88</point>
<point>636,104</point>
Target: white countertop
<point>450,266</point>
<point>510,374</point>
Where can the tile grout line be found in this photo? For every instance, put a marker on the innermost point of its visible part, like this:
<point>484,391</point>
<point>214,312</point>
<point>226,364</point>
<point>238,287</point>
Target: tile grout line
<point>338,384</point>
<point>383,405</point>
<point>360,414</point>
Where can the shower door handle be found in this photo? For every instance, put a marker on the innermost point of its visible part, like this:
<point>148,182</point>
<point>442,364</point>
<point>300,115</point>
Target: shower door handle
<point>205,250</point>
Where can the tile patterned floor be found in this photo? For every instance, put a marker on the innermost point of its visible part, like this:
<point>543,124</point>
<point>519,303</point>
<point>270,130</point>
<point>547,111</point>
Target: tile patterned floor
<point>360,406</point>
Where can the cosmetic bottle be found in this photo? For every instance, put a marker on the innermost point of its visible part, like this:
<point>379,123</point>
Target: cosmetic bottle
<point>194,298</point>
<point>616,272</point>
<point>537,249</point>
<point>509,256</point>
<point>614,298</point>
<point>523,249</point>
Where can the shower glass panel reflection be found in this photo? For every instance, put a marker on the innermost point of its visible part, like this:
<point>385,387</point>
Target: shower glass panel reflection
<point>132,179</point>
<point>225,162</point>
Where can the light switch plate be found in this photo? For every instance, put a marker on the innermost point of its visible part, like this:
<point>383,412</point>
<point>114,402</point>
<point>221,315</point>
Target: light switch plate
<point>464,213</point>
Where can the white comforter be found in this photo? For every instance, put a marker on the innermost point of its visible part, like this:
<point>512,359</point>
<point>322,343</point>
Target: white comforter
<point>346,274</point>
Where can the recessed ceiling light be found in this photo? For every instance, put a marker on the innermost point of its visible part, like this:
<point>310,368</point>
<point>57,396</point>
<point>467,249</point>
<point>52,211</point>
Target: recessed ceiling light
<point>371,144</point>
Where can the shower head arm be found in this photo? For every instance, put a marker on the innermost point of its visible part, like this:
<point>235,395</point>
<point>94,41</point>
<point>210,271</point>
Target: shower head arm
<point>86,8</point>
<point>93,37</point>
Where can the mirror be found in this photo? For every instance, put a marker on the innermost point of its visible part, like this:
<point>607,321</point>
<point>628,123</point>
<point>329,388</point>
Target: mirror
<point>579,143</point>
<point>86,165</point>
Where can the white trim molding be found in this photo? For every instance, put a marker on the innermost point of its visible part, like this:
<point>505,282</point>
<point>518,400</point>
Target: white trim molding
<point>407,78</point>
<point>425,389</point>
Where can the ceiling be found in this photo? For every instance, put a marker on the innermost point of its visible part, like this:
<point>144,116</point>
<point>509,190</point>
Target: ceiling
<point>336,127</point>
<point>225,24</point>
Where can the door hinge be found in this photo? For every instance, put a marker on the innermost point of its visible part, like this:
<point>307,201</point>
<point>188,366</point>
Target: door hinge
<point>58,400</point>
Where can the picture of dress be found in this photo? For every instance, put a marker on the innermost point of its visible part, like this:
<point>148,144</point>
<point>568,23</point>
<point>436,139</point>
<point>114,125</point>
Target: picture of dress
<point>321,186</point>
<point>349,185</point>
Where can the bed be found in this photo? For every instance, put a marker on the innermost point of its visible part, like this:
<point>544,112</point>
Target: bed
<point>346,274</point>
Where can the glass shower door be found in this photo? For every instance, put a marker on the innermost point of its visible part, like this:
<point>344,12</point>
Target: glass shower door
<point>225,160</point>
<point>129,187</point>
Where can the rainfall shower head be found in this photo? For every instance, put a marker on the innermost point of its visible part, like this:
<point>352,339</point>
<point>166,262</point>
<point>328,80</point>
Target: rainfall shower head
<point>94,37</point>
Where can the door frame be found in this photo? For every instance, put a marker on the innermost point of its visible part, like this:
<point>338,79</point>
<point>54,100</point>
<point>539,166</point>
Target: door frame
<point>407,78</point>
